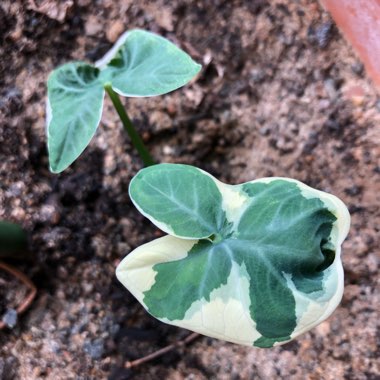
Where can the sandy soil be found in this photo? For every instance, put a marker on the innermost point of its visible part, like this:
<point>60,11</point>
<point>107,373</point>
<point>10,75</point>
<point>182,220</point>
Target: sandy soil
<point>281,93</point>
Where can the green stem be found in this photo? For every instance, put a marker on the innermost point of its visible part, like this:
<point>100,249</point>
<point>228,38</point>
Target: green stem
<point>128,126</point>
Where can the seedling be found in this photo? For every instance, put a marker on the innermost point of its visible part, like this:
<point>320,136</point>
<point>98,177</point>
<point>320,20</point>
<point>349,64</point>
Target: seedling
<point>140,64</point>
<point>255,264</point>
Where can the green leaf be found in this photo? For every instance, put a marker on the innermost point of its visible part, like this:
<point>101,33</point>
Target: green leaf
<point>76,100</point>
<point>168,195</point>
<point>269,271</point>
<point>148,65</point>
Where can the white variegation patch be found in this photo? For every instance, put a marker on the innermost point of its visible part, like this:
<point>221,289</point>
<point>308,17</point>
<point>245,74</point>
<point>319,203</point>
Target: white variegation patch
<point>225,317</point>
<point>136,272</point>
<point>234,202</point>
<point>310,310</point>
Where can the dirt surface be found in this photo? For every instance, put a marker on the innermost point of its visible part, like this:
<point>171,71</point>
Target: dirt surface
<point>281,93</point>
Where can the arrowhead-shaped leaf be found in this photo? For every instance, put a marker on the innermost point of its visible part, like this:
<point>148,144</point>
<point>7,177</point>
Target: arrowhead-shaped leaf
<point>148,65</point>
<point>75,98</point>
<point>259,266</point>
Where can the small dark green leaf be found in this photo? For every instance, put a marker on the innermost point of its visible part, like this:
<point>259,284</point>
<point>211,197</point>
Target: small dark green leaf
<point>13,240</point>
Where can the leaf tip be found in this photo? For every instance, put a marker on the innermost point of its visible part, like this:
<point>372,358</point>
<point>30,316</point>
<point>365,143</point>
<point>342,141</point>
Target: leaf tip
<point>56,168</point>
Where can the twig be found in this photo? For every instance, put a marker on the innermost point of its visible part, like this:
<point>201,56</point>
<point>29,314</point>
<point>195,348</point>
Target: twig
<point>25,280</point>
<point>162,351</point>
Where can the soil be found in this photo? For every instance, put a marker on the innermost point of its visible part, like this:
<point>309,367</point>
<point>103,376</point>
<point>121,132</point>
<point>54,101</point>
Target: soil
<point>281,93</point>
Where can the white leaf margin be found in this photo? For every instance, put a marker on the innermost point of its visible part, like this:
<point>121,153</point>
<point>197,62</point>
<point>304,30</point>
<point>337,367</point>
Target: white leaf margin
<point>107,58</point>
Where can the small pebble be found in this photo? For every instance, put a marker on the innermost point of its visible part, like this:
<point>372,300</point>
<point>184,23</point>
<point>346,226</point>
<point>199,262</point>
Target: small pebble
<point>115,30</point>
<point>320,34</point>
<point>95,349</point>
<point>331,88</point>
<point>10,318</point>
<point>93,26</point>
<point>167,150</point>
<point>323,34</point>
<point>357,68</point>
<point>257,76</point>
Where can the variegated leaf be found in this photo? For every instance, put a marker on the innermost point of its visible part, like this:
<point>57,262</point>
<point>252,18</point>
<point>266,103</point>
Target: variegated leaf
<point>255,264</point>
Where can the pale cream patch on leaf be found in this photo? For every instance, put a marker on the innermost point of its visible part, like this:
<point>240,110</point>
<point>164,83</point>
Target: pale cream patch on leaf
<point>136,272</point>
<point>227,314</point>
<point>311,311</point>
<point>234,202</point>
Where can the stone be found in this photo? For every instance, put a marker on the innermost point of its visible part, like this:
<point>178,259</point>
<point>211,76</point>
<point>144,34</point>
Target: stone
<point>115,30</point>
<point>10,318</point>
